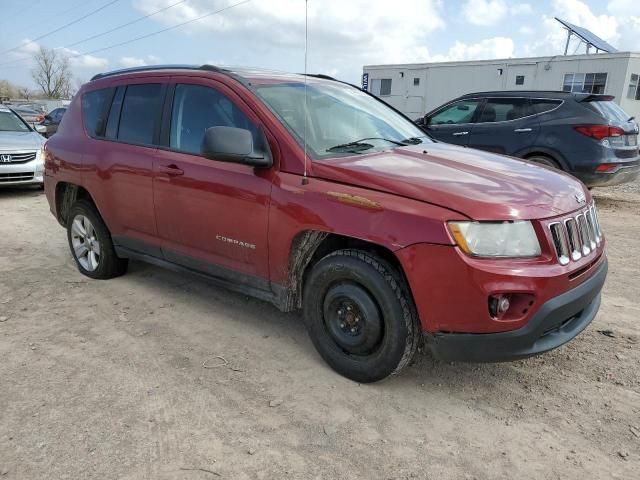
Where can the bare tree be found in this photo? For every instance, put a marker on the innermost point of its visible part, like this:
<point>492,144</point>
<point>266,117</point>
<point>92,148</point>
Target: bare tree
<point>24,92</point>
<point>52,73</point>
<point>7,89</point>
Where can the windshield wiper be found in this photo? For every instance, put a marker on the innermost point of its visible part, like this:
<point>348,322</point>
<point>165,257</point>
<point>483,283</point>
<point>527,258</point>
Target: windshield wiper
<point>360,145</point>
<point>412,141</point>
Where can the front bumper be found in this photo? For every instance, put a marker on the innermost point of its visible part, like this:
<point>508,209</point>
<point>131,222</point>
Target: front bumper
<point>556,322</point>
<point>30,173</point>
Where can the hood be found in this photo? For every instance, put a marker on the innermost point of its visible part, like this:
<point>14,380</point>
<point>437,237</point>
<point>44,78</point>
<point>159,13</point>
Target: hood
<point>11,141</point>
<point>480,185</point>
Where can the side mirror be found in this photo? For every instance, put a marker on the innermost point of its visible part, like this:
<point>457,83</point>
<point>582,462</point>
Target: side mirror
<point>426,121</point>
<point>235,145</point>
<point>47,117</point>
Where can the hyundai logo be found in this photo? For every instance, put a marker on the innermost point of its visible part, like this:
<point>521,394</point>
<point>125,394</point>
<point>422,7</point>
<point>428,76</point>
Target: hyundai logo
<point>5,158</point>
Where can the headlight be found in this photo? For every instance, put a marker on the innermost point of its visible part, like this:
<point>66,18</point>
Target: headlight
<point>496,239</point>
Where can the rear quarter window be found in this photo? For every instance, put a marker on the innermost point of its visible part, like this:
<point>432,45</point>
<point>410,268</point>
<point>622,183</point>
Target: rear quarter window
<point>94,105</point>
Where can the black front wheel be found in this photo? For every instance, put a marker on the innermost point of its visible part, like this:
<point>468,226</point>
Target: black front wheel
<point>360,315</point>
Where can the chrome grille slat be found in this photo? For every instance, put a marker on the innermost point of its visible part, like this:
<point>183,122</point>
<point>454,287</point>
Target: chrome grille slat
<point>576,236</point>
<point>18,157</point>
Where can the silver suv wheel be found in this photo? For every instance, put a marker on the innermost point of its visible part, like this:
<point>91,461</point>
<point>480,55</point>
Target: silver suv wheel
<point>86,246</point>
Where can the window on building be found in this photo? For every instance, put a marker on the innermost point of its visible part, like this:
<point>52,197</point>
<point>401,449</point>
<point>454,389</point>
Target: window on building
<point>585,82</point>
<point>416,81</point>
<point>196,108</point>
<point>519,79</point>
<point>381,86</point>
<point>140,112</point>
<point>634,88</point>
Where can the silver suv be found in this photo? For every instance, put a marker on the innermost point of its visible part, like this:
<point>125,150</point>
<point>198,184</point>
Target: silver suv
<point>21,151</point>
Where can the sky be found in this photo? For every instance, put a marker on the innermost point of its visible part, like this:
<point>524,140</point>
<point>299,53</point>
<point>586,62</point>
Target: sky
<point>343,35</point>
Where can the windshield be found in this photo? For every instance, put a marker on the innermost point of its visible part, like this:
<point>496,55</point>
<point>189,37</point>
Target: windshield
<point>10,122</point>
<point>341,119</point>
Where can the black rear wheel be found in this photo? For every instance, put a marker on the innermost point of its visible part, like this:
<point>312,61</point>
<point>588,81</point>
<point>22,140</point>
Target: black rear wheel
<point>90,243</point>
<point>360,315</point>
<point>546,161</point>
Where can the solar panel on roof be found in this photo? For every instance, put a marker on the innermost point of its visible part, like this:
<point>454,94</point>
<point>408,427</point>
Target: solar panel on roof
<point>588,37</point>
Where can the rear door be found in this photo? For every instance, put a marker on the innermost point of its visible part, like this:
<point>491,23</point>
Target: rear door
<point>506,125</point>
<point>452,123</point>
<point>121,161</point>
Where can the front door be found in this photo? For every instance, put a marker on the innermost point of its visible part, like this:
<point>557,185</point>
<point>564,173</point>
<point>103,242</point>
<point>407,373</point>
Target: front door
<point>212,216</point>
<point>505,125</point>
<point>453,122</point>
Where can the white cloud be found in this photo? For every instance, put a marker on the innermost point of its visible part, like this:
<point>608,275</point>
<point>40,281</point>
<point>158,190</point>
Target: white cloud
<point>492,12</point>
<point>139,62</point>
<point>343,35</point>
<point>132,62</point>
<point>526,30</point>
<point>553,36</point>
<point>497,47</point>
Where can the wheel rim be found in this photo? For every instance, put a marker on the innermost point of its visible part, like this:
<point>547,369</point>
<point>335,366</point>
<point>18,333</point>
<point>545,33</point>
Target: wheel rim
<point>86,247</point>
<point>352,319</point>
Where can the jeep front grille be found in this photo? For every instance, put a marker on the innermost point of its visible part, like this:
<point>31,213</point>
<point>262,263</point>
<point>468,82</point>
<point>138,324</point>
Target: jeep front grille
<point>577,236</point>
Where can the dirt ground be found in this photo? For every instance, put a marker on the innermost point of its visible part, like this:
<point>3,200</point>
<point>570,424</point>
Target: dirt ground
<point>123,379</point>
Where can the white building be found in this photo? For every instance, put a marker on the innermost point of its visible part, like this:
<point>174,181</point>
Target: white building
<point>416,89</point>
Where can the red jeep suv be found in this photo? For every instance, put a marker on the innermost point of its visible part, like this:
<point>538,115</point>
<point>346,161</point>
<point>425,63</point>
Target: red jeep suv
<point>314,195</point>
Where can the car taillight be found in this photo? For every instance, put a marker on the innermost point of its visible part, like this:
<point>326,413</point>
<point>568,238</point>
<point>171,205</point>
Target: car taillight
<point>40,118</point>
<point>599,132</point>
<point>606,167</point>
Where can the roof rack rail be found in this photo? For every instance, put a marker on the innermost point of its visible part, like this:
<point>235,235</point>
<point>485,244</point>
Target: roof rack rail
<point>149,68</point>
<point>319,75</point>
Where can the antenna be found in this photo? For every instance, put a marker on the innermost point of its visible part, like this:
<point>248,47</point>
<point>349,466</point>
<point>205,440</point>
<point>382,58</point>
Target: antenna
<point>305,180</point>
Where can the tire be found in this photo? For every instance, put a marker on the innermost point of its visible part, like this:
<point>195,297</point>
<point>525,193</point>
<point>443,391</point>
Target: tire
<point>360,315</point>
<point>546,161</point>
<point>103,263</point>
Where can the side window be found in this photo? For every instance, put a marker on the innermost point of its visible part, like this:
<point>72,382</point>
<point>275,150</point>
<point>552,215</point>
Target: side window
<point>140,113</point>
<point>458,112</point>
<point>503,109</point>
<point>196,108</point>
<point>94,105</point>
<point>542,105</point>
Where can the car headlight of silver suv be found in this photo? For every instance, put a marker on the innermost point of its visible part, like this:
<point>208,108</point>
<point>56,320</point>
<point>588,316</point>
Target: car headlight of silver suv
<point>513,239</point>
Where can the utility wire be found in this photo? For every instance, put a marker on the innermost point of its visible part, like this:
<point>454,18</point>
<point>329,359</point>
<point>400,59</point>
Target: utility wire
<point>157,32</point>
<point>93,37</point>
<point>21,13</point>
<point>73,22</point>
<point>123,25</point>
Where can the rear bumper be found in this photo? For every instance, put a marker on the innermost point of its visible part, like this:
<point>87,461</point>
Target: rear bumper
<point>624,173</point>
<point>558,321</point>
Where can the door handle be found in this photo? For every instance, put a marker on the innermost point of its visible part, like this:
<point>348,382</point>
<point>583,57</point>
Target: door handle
<point>459,134</point>
<point>171,170</point>
<point>523,130</point>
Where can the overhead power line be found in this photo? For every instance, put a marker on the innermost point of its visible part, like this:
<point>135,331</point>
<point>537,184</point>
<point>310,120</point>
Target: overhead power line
<point>98,35</point>
<point>123,25</point>
<point>142,37</point>
<point>66,25</point>
<point>157,32</point>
